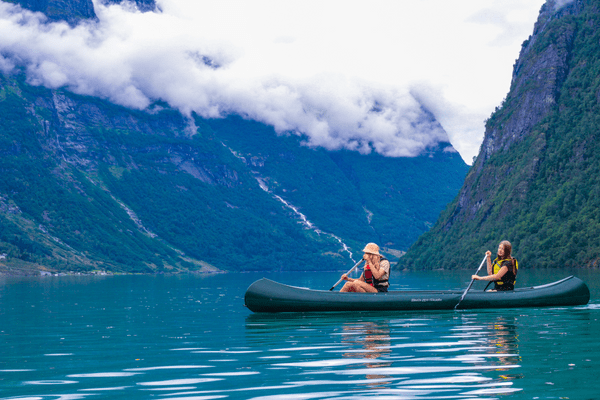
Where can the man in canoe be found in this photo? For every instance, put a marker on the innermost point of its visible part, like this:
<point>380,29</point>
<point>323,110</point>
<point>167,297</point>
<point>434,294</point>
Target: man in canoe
<point>503,270</point>
<point>375,276</point>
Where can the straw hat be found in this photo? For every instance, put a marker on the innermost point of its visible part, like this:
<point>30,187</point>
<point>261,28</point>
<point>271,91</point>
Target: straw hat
<point>372,248</point>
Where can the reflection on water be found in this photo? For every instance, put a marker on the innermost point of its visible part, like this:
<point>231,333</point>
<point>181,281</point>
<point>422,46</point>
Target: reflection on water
<point>369,340</point>
<point>506,343</point>
<point>448,355</point>
<point>191,338</point>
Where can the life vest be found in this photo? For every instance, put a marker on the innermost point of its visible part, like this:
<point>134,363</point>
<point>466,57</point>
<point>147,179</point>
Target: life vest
<point>509,279</point>
<point>371,280</point>
<point>368,275</point>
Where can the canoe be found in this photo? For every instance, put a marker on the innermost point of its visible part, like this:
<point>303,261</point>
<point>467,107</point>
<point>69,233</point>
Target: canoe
<point>266,295</point>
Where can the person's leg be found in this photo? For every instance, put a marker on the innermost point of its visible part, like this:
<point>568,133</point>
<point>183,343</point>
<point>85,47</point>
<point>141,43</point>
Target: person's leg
<point>352,287</point>
<point>346,288</point>
<point>358,287</point>
<point>363,287</point>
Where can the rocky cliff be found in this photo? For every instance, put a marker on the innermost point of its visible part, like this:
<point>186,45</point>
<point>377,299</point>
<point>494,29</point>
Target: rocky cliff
<point>535,178</point>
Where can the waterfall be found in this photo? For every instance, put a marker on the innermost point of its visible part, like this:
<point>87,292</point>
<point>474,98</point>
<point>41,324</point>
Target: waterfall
<point>301,216</point>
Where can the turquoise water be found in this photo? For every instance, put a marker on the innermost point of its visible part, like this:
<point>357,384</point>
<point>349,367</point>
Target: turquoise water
<point>189,337</point>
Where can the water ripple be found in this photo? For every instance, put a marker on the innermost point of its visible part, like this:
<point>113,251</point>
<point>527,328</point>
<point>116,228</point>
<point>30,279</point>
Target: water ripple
<point>105,389</point>
<point>169,367</point>
<point>103,375</point>
<point>175,382</point>
<point>50,382</point>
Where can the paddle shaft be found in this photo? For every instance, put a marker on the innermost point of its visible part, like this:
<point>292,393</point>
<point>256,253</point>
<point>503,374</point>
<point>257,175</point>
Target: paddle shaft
<point>470,284</point>
<point>347,273</point>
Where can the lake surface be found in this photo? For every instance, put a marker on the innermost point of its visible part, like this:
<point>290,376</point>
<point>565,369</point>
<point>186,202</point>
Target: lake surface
<point>190,337</point>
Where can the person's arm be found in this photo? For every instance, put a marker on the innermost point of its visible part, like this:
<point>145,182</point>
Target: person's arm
<point>347,278</point>
<point>494,277</point>
<point>489,262</point>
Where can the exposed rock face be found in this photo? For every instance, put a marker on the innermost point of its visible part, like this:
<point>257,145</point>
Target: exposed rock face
<point>534,154</point>
<point>538,76</point>
<point>537,80</point>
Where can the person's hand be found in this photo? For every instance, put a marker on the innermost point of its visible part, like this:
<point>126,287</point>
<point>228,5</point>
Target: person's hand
<point>488,254</point>
<point>476,277</point>
<point>345,277</point>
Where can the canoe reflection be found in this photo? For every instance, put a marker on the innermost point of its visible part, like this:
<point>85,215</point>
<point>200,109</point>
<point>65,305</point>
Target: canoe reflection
<point>416,355</point>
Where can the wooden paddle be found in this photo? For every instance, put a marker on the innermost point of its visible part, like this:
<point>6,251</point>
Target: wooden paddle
<point>347,273</point>
<point>470,284</point>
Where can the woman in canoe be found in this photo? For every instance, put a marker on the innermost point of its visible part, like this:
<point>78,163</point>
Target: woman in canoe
<point>503,270</point>
<point>375,276</point>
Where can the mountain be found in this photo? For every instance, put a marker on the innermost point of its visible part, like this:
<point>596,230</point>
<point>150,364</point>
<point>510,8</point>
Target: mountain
<point>71,11</point>
<point>361,198</point>
<point>536,178</point>
<point>88,185</point>
<point>74,11</point>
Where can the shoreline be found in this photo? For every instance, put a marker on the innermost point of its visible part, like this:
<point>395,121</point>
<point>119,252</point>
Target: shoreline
<point>16,272</point>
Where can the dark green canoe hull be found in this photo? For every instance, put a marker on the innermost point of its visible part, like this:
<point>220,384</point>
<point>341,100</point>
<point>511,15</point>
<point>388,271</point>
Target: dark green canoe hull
<point>266,295</point>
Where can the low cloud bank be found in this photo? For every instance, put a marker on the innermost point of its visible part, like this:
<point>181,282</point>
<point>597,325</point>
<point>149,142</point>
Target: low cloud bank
<point>134,59</point>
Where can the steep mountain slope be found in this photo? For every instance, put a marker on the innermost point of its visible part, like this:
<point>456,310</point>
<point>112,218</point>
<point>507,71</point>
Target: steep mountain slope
<point>62,155</point>
<point>536,179</point>
<point>87,185</point>
<point>360,197</point>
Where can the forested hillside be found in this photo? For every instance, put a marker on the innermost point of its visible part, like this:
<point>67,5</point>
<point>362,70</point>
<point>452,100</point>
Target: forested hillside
<point>536,179</point>
<point>87,185</point>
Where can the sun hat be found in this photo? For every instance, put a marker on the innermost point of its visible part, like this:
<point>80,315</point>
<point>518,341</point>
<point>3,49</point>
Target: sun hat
<point>372,248</point>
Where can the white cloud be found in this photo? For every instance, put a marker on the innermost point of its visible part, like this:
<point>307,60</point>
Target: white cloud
<point>561,3</point>
<point>345,74</point>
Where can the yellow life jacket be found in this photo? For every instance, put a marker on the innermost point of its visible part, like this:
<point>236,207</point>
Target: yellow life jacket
<point>509,279</point>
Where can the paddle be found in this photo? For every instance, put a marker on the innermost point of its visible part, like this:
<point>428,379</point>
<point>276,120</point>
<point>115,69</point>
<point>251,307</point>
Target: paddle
<point>470,284</point>
<point>347,273</point>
